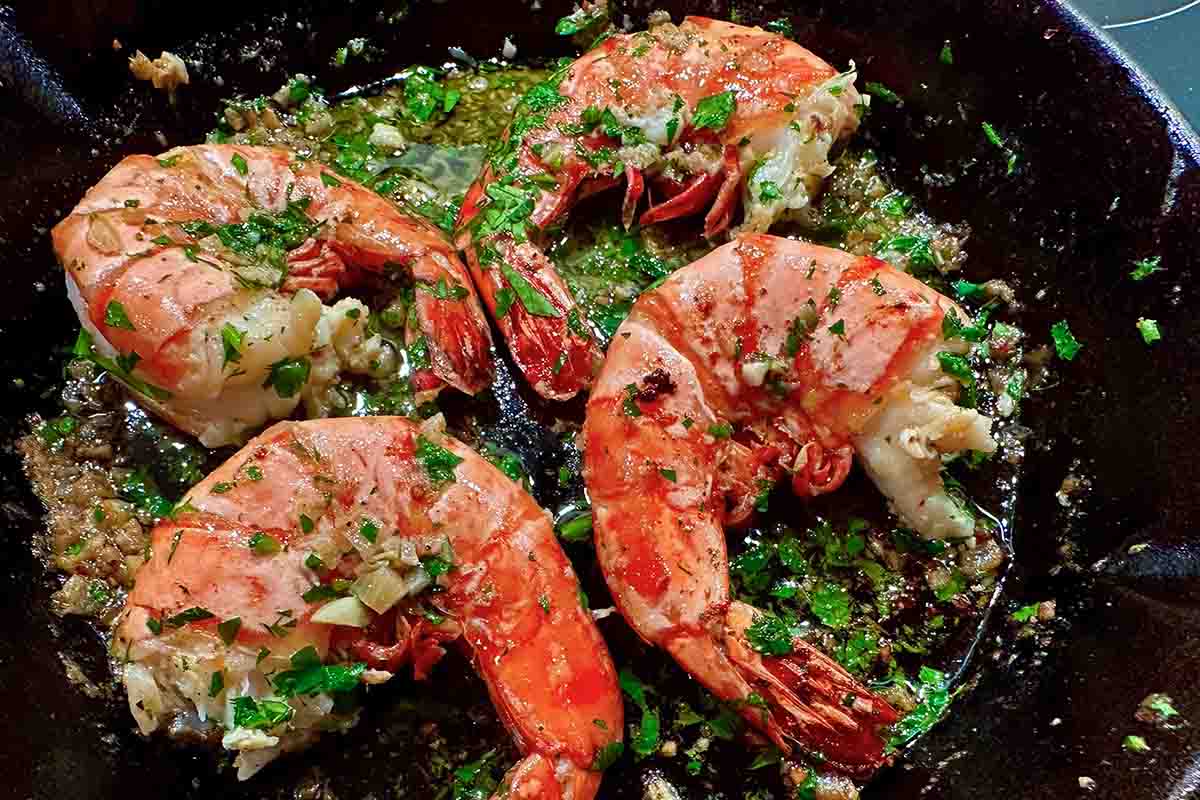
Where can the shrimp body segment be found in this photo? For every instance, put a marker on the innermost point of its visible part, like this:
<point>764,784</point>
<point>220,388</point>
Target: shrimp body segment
<point>368,513</point>
<point>200,274</point>
<point>764,359</point>
<point>698,118</point>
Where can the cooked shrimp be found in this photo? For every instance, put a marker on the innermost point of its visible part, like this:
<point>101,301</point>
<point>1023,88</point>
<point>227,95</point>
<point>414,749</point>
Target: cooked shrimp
<point>369,511</point>
<point>199,273</point>
<point>701,113</point>
<point>764,358</point>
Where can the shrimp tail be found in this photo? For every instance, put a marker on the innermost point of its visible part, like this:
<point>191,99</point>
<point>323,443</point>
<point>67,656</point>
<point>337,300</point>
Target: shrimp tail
<point>810,699</point>
<point>803,701</point>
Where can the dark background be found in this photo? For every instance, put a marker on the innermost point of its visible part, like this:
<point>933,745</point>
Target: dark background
<point>1162,36</point>
<point>1106,176</point>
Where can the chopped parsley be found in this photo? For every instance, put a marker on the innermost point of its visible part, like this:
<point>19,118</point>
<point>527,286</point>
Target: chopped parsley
<point>1025,613</point>
<point>474,781</point>
<point>576,529</point>
<point>53,432</point>
<point>629,405</point>
<point>858,653</point>
<point>187,616</point>
<point>260,715</point>
<point>425,96</point>
<point>1148,328</point>
<point>761,500</point>
<point>504,301</point>
<point>115,316</point>
<point>1135,744</point>
<point>768,191</point>
<point>782,26</point>
<point>966,289</point>
<point>830,603</point>
<point>308,676</point>
<point>946,56</point>
<point>959,368</point>
<point>436,566</point>
<point>339,587</point>
<point>721,430</point>
<point>140,489</point>
<point>121,367</point>
<point>1146,267</point>
<point>288,376</point>
<point>646,739</point>
<point>232,339</point>
<point>713,112</point>
<point>1065,343</point>
<point>882,92</point>
<point>1010,155</point>
<point>934,700</point>
<point>444,290</point>
<point>607,756</point>
<point>578,21</point>
<point>439,463</point>
<point>771,635</point>
<point>264,544</point>
<point>228,630</point>
<point>533,301</point>
<point>918,249</point>
<point>1160,704</point>
<point>951,588</point>
<point>955,328</point>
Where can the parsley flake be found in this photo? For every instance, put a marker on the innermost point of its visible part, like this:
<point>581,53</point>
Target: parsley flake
<point>1148,328</point>
<point>713,112</point>
<point>1065,343</point>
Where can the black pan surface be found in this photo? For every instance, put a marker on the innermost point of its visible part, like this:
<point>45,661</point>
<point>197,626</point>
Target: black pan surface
<point>1109,174</point>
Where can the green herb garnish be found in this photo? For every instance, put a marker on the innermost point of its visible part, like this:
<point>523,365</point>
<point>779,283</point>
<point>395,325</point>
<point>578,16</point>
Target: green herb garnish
<point>308,676</point>
<point>1065,343</point>
<point>228,630</point>
<point>288,376</point>
<point>264,544</point>
<point>115,316</point>
<point>260,715</point>
<point>1146,267</point>
<point>713,112</point>
<point>439,463</point>
<point>1148,328</point>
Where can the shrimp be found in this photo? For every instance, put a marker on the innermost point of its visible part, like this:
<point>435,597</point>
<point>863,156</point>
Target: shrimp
<point>295,571</point>
<point>198,277</point>
<point>767,357</point>
<point>696,115</point>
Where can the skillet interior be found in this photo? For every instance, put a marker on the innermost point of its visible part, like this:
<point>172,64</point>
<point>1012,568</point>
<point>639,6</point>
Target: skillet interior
<point>1109,176</point>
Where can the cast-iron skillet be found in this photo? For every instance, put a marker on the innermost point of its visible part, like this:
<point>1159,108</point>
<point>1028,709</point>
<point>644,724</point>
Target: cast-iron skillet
<point>1108,174</point>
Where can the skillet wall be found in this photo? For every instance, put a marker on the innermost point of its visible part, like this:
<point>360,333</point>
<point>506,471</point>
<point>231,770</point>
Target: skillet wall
<point>1106,177</point>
